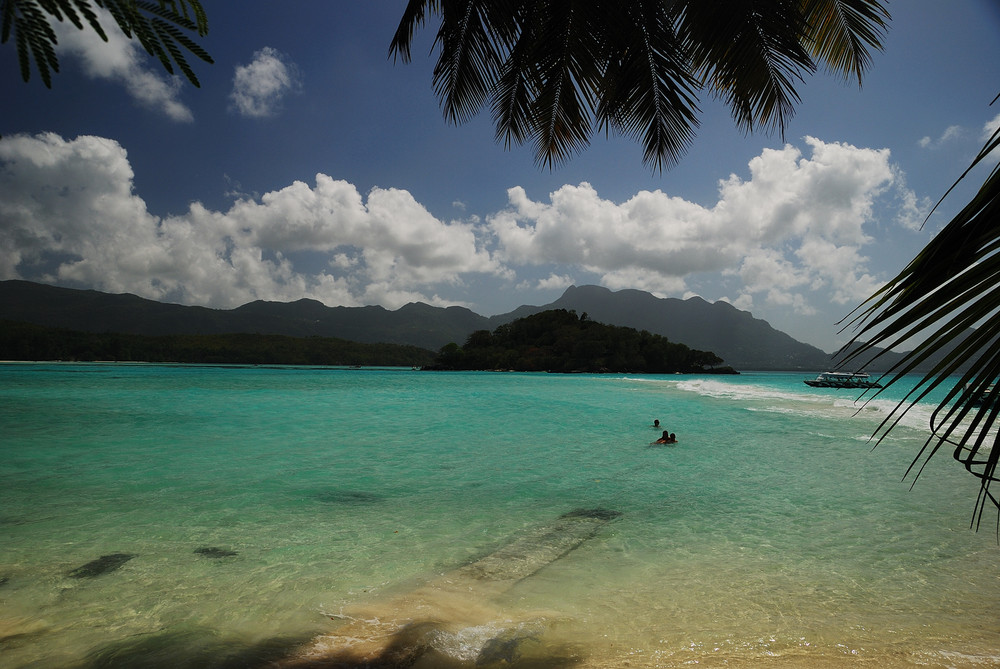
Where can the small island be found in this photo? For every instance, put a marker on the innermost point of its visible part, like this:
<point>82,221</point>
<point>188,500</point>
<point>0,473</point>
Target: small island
<point>559,341</point>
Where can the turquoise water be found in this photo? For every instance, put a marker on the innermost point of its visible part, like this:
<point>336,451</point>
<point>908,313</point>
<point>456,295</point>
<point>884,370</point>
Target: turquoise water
<point>770,535</point>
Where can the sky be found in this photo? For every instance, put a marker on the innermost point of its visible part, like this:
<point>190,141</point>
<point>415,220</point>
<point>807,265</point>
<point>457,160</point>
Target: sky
<point>310,164</point>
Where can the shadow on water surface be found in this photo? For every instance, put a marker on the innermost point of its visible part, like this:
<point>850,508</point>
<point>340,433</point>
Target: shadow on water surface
<point>190,649</point>
<point>414,647</point>
<point>411,647</point>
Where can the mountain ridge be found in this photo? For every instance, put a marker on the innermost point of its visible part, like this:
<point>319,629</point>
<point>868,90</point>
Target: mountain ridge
<point>743,341</point>
<point>735,335</point>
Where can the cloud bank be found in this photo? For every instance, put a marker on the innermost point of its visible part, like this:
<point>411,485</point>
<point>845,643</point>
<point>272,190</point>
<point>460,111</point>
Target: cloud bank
<point>791,234</point>
<point>795,227</point>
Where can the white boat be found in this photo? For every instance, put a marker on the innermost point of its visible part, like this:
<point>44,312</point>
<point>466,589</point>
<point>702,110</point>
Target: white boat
<point>843,380</point>
<point>988,397</point>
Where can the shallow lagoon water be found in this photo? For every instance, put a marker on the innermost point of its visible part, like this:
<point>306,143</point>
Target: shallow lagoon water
<point>267,508</point>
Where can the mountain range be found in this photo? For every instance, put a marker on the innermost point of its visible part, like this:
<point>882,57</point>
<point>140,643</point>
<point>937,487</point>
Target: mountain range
<point>744,342</point>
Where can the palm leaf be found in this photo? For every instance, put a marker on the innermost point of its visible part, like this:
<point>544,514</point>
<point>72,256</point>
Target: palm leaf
<point>518,83</point>
<point>948,296</point>
<point>157,25</point>
<point>468,66</point>
<point>160,32</point>
<point>549,67</point>
<point>751,54</point>
<point>413,17</point>
<point>648,91</point>
<point>34,37</point>
<point>569,60</point>
<point>168,10</point>
<point>841,31</point>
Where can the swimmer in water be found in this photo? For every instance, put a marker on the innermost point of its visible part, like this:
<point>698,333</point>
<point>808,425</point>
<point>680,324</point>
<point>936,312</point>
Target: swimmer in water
<point>667,438</point>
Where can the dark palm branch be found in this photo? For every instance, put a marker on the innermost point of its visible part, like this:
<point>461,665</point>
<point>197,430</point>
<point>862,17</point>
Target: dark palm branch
<point>550,69</point>
<point>948,296</point>
<point>842,32</point>
<point>751,55</point>
<point>566,47</point>
<point>648,90</point>
<point>159,26</point>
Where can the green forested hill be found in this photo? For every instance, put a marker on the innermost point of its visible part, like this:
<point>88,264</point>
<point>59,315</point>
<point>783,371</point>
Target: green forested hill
<point>24,341</point>
<point>559,341</point>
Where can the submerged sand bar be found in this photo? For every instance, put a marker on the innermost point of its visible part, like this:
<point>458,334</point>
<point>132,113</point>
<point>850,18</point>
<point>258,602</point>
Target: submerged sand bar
<point>456,613</point>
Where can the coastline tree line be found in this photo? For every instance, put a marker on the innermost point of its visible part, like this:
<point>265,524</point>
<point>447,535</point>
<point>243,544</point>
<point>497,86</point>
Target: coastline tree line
<point>555,340</point>
<point>24,341</point>
<point>559,341</point>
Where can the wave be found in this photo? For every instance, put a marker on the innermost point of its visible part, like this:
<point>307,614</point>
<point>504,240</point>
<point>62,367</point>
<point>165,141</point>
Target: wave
<point>790,400</point>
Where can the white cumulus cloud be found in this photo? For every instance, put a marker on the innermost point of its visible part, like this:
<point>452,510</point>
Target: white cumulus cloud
<point>68,214</point>
<point>260,87</point>
<point>991,127</point>
<point>950,133</point>
<point>763,230</point>
<point>555,282</point>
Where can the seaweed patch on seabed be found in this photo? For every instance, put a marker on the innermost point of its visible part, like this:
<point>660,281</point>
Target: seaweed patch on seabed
<point>348,497</point>
<point>214,552</point>
<point>452,620</point>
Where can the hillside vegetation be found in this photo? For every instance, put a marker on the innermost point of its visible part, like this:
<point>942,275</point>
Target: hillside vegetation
<point>24,341</point>
<point>559,341</point>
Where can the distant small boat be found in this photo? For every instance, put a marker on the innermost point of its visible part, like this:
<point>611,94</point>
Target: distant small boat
<point>988,397</point>
<point>842,380</point>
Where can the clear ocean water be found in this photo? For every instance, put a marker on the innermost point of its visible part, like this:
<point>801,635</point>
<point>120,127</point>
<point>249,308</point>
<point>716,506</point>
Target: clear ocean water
<point>266,509</point>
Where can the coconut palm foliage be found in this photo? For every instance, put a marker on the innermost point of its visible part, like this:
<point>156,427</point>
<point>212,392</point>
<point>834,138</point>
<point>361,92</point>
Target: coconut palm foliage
<point>159,26</point>
<point>554,72</point>
<point>948,296</point>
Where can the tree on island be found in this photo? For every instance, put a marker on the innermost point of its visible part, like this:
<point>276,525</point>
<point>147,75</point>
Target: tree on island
<point>558,341</point>
<point>27,341</point>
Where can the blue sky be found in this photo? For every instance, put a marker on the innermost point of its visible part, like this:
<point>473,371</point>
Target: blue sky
<point>309,164</point>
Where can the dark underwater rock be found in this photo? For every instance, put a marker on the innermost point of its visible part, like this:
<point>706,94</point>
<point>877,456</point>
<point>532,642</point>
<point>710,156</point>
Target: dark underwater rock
<point>348,497</point>
<point>501,649</point>
<point>214,552</point>
<point>598,514</point>
<point>102,565</point>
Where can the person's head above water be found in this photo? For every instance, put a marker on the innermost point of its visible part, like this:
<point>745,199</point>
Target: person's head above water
<point>656,423</point>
